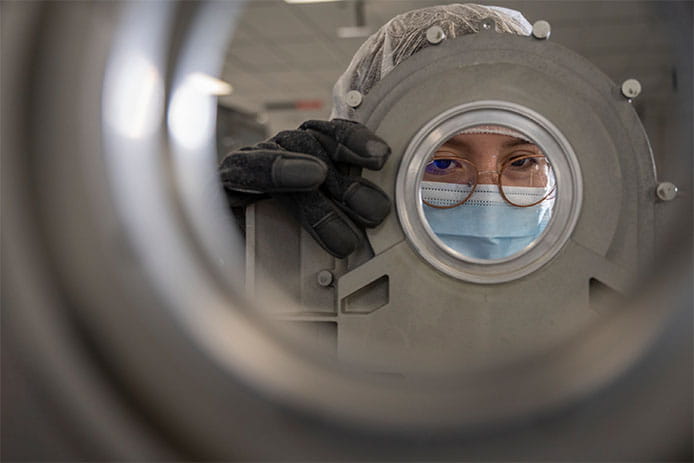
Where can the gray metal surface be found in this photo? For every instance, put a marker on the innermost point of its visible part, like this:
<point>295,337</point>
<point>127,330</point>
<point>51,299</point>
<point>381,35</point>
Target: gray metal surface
<point>411,306</point>
<point>431,314</point>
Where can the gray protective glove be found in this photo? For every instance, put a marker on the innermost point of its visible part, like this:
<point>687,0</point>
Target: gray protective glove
<point>304,170</point>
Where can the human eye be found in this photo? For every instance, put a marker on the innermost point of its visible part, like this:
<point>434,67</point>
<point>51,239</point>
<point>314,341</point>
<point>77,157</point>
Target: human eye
<point>442,165</point>
<point>449,168</point>
<point>521,160</point>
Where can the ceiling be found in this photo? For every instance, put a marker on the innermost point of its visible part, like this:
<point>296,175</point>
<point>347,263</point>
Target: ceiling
<point>287,52</point>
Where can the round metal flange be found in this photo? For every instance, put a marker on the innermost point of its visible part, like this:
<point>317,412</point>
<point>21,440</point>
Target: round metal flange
<point>556,98</point>
<point>453,121</point>
<point>511,75</point>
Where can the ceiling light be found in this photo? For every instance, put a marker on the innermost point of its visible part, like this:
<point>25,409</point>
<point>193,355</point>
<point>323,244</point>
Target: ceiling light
<point>208,84</point>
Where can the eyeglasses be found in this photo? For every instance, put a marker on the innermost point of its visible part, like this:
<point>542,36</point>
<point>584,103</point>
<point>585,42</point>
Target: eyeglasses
<point>523,181</point>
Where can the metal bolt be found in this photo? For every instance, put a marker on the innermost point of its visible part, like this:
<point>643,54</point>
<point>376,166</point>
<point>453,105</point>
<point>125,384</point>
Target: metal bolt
<point>435,35</point>
<point>325,278</point>
<point>631,88</point>
<point>488,24</point>
<point>541,30</point>
<point>666,191</point>
<point>353,98</point>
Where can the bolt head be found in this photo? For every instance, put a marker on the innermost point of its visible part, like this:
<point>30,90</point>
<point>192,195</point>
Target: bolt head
<point>325,278</point>
<point>541,30</point>
<point>353,98</point>
<point>488,24</point>
<point>666,191</point>
<point>631,88</point>
<point>435,35</point>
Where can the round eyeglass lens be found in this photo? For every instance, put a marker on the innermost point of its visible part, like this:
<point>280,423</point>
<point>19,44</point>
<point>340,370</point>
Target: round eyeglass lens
<point>450,179</point>
<point>527,180</point>
<point>488,192</point>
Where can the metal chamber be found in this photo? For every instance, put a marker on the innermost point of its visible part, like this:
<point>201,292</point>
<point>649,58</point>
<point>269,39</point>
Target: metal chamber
<point>124,304</point>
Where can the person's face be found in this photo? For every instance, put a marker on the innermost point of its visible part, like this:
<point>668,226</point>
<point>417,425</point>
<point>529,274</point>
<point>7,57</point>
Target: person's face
<point>491,154</point>
<point>504,176</point>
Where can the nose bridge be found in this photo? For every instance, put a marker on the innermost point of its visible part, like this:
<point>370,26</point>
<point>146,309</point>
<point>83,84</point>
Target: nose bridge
<point>486,167</point>
<point>488,176</point>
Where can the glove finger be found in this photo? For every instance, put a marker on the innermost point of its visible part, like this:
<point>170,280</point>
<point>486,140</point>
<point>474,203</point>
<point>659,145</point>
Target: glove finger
<point>364,202</point>
<point>329,226</point>
<point>350,142</point>
<point>271,171</point>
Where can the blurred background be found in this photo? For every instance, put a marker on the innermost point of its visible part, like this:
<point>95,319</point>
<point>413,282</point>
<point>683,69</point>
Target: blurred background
<point>78,388</point>
<point>284,57</point>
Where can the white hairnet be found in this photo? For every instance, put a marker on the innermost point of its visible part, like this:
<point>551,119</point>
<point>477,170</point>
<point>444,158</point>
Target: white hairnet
<point>405,35</point>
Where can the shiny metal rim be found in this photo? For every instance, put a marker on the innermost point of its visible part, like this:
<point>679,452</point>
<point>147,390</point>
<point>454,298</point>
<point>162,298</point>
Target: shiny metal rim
<point>570,371</point>
<point>543,248</point>
<point>40,318</point>
<point>214,320</point>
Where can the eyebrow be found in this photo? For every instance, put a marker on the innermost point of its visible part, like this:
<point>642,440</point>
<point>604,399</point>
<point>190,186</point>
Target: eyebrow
<point>454,142</point>
<point>508,144</point>
<point>517,142</point>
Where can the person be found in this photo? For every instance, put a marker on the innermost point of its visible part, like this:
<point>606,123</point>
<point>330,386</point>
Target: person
<point>488,192</point>
<point>306,169</point>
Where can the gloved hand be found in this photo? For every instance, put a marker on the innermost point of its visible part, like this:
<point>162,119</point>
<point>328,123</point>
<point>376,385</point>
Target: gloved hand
<point>303,169</point>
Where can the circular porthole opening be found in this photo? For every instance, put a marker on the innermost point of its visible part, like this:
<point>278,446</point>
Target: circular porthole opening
<point>488,191</point>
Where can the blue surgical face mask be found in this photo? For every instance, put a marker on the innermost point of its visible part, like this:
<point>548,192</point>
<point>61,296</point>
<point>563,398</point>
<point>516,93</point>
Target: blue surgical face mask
<point>486,226</point>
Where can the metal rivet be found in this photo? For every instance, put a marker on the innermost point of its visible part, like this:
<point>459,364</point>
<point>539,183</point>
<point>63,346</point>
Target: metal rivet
<point>325,278</point>
<point>541,30</point>
<point>353,98</point>
<point>631,88</point>
<point>435,35</point>
<point>488,24</point>
<point>666,191</point>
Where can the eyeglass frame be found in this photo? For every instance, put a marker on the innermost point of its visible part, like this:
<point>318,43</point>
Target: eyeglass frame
<point>498,182</point>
